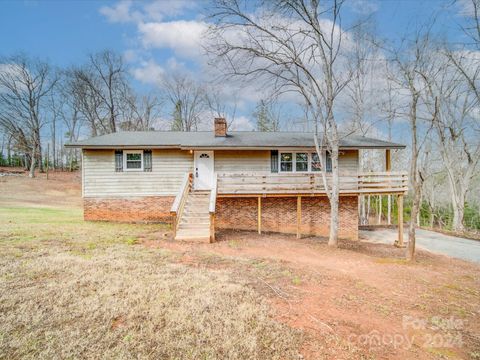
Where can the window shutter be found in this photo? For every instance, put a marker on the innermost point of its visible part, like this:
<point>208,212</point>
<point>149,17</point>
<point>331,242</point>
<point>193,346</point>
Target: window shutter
<point>147,160</point>
<point>274,161</point>
<point>118,160</point>
<point>328,161</point>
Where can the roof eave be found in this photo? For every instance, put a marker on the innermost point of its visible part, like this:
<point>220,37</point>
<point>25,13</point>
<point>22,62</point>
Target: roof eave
<point>113,147</point>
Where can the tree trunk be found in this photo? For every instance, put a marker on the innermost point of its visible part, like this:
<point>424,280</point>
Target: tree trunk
<point>54,149</point>
<point>379,221</point>
<point>415,180</point>
<point>334,199</point>
<point>458,213</point>
<point>412,225</point>
<point>32,164</point>
<point>9,151</point>
<point>389,210</point>
<point>368,210</point>
<point>363,214</point>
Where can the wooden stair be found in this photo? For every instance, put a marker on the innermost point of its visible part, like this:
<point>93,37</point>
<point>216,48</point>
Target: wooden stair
<point>194,224</point>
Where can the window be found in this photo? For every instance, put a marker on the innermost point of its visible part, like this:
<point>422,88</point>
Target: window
<point>118,160</point>
<point>328,162</point>
<point>286,162</point>
<point>316,164</point>
<point>274,161</point>
<point>301,162</point>
<point>147,160</point>
<point>133,160</point>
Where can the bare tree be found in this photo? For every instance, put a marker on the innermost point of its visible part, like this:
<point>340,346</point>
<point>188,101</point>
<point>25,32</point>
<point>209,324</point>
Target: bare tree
<point>293,46</point>
<point>456,127</point>
<point>412,63</point>
<point>102,88</point>
<point>187,98</point>
<point>221,106</point>
<point>25,85</point>
<point>141,112</point>
<point>68,109</point>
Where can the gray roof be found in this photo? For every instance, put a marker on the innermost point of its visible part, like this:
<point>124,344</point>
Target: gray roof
<point>234,139</point>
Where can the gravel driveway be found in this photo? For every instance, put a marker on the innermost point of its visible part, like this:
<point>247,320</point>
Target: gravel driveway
<point>461,248</point>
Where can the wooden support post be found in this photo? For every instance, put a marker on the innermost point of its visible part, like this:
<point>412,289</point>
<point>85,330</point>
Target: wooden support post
<point>212,227</point>
<point>299,216</point>
<point>399,242</point>
<point>388,160</point>
<point>259,215</point>
<point>174,224</point>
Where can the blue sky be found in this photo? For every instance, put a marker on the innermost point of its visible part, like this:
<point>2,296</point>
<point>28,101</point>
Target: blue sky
<point>161,36</point>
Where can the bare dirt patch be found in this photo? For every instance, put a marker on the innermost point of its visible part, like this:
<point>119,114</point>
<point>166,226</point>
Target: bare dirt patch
<point>62,189</point>
<point>346,299</point>
<point>70,288</point>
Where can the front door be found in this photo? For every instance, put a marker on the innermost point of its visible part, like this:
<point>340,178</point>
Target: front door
<point>204,168</point>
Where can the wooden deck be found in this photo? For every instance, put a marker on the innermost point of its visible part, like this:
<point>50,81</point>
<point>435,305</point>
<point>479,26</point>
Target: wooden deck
<point>255,184</point>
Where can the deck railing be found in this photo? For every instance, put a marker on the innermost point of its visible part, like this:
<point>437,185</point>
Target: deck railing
<point>179,202</point>
<point>303,183</point>
<point>211,208</point>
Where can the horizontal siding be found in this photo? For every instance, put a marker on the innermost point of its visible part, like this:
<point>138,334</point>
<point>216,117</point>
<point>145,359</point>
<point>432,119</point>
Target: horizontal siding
<point>245,160</point>
<point>348,161</point>
<point>168,168</point>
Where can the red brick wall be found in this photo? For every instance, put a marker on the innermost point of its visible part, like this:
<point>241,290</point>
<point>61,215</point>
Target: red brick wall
<point>137,209</point>
<point>280,215</point>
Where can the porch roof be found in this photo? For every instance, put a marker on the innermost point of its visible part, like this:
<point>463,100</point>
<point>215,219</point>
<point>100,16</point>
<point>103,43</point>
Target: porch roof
<point>236,140</point>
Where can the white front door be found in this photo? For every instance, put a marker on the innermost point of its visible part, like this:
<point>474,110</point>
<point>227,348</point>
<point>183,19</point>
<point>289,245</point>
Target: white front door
<point>204,169</point>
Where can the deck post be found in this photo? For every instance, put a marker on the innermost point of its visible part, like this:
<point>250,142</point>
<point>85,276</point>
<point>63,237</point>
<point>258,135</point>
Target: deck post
<point>399,242</point>
<point>212,227</point>
<point>259,215</point>
<point>174,224</point>
<point>299,216</point>
<point>388,161</point>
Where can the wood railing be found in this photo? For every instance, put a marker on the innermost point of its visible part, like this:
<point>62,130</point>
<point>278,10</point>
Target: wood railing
<point>211,208</point>
<point>180,200</point>
<point>349,183</point>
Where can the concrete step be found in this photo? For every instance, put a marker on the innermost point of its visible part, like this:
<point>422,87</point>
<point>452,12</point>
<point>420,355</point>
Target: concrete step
<point>192,233</point>
<point>195,227</point>
<point>196,219</point>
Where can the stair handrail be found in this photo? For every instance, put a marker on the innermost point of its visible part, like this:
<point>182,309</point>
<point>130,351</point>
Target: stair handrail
<point>179,203</point>
<point>211,207</point>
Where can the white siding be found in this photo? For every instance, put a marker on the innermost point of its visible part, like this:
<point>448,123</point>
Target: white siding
<point>168,168</point>
<point>244,160</point>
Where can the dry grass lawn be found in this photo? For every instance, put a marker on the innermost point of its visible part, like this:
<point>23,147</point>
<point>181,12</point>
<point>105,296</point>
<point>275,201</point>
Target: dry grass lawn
<point>75,289</point>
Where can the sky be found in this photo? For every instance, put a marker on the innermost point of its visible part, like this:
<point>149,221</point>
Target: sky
<point>158,37</point>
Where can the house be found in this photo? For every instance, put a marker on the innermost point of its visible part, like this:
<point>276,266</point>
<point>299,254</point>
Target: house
<point>202,181</point>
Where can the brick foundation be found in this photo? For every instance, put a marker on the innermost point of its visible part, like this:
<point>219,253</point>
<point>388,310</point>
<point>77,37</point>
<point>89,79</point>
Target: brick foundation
<point>137,209</point>
<point>280,215</point>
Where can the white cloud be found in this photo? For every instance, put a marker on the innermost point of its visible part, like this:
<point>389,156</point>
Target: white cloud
<point>129,11</point>
<point>149,72</point>
<point>160,9</point>
<point>121,12</point>
<point>183,36</point>
<point>130,55</point>
<point>242,123</point>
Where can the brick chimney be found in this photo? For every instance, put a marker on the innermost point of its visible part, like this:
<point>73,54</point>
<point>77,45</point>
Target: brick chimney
<point>220,127</point>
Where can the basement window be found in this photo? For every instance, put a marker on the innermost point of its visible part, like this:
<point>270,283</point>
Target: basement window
<point>133,160</point>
